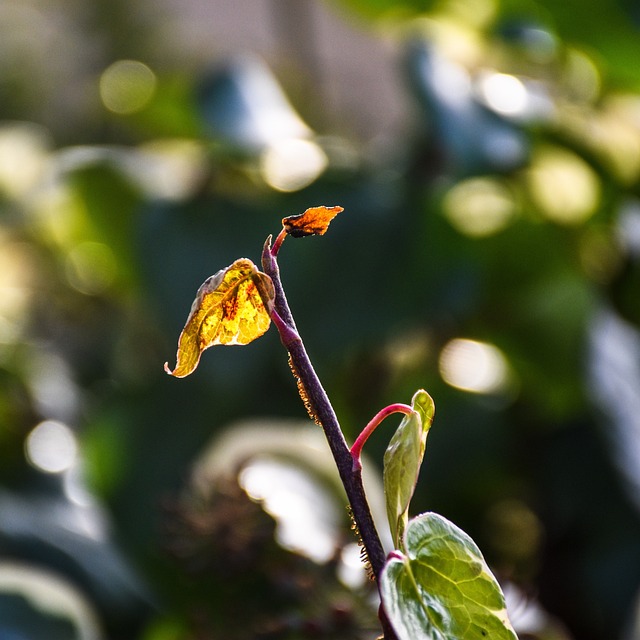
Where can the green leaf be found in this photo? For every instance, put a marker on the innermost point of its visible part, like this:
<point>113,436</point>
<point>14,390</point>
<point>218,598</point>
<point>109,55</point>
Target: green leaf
<point>402,461</point>
<point>442,589</point>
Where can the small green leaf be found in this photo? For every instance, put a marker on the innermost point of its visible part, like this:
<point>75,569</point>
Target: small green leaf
<point>402,461</point>
<point>423,403</point>
<point>442,589</point>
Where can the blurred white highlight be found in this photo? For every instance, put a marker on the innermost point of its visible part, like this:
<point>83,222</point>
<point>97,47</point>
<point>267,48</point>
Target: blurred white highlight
<point>51,447</point>
<point>290,165</point>
<point>473,366</point>
<point>305,515</point>
<point>505,94</point>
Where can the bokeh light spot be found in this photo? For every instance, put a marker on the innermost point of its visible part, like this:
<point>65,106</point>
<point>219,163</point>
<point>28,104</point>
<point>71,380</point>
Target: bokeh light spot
<point>563,186</point>
<point>290,165</point>
<point>18,267</point>
<point>23,157</point>
<point>127,86</point>
<point>616,136</point>
<point>51,447</point>
<point>479,207</point>
<point>91,267</point>
<point>582,77</point>
<point>514,530</point>
<point>473,366</point>
<point>351,569</point>
<point>505,94</point>
<point>172,168</point>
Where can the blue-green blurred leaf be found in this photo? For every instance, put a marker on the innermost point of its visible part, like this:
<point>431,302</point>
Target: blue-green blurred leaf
<point>472,139</point>
<point>245,109</point>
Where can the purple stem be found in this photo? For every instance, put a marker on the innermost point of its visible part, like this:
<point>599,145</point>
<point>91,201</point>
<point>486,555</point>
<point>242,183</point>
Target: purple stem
<point>321,408</point>
<point>356,447</point>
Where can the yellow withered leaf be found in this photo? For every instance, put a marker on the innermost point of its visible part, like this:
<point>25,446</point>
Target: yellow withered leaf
<point>313,222</point>
<point>231,307</point>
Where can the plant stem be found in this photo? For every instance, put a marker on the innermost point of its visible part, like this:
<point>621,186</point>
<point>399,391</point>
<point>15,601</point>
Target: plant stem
<point>278,243</point>
<point>356,447</point>
<point>320,408</point>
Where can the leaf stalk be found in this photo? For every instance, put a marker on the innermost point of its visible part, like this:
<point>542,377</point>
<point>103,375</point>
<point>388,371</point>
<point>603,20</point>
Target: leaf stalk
<point>356,447</point>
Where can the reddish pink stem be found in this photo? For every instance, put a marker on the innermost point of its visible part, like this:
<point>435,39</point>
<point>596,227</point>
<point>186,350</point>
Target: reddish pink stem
<point>277,243</point>
<point>356,448</point>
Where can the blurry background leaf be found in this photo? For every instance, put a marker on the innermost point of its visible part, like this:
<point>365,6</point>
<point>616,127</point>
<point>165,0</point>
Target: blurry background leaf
<point>471,139</point>
<point>265,513</point>
<point>245,109</point>
<point>38,604</point>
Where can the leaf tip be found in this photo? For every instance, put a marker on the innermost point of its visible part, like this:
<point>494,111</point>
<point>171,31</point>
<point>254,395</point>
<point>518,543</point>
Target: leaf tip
<point>424,404</point>
<point>168,370</point>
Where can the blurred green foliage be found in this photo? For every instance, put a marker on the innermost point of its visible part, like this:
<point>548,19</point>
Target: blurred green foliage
<point>489,253</point>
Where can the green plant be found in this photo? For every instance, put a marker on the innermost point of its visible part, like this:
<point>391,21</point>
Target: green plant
<point>435,584</point>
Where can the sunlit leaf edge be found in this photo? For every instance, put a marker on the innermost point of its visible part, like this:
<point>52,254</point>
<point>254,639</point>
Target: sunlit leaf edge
<point>402,461</point>
<point>314,221</point>
<point>441,557</point>
<point>245,320</point>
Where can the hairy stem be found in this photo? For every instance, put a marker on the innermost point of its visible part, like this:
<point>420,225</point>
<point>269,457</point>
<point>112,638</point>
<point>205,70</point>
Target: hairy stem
<point>321,410</point>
